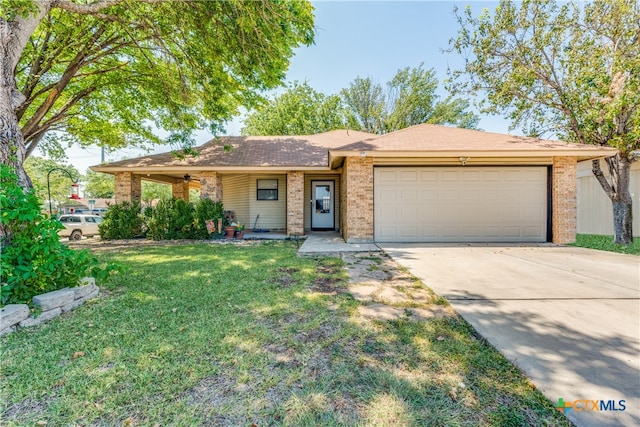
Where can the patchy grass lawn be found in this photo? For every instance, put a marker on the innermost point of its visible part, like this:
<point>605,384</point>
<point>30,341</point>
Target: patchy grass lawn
<point>223,335</point>
<point>605,243</point>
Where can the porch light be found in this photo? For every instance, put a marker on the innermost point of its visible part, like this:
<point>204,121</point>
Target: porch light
<point>464,160</point>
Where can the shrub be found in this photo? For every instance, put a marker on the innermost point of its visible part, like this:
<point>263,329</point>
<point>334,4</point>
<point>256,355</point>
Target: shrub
<point>206,209</point>
<point>32,259</point>
<point>172,219</point>
<point>122,221</point>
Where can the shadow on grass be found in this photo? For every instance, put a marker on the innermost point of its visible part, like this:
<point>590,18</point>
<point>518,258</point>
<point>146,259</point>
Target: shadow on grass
<point>211,335</point>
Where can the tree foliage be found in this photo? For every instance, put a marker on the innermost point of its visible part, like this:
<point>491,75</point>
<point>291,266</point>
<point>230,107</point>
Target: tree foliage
<point>33,261</point>
<point>59,182</point>
<point>99,185</point>
<point>155,191</point>
<point>300,110</point>
<point>410,98</point>
<point>180,66</point>
<point>570,69</point>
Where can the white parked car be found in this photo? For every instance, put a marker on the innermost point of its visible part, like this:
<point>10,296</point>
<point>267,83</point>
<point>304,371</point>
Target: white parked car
<point>78,225</point>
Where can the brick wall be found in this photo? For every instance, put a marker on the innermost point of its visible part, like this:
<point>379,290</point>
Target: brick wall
<point>563,193</point>
<point>128,187</point>
<point>357,199</point>
<point>295,203</point>
<point>210,186</point>
<point>180,189</point>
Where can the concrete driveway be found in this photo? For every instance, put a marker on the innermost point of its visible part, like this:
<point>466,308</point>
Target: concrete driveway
<point>568,317</point>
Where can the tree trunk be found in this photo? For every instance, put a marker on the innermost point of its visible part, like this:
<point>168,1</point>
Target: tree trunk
<point>622,222</point>
<point>617,189</point>
<point>14,35</point>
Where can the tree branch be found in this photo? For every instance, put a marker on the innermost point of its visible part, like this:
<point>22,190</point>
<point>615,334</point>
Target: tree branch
<point>91,8</point>
<point>597,172</point>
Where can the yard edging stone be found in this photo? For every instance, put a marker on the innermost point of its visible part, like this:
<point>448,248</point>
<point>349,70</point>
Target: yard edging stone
<point>52,304</point>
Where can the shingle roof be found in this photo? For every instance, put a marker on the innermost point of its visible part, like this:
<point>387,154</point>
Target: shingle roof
<point>313,150</point>
<point>302,150</point>
<point>427,137</point>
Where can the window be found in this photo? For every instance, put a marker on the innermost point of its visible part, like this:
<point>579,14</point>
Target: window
<point>267,189</point>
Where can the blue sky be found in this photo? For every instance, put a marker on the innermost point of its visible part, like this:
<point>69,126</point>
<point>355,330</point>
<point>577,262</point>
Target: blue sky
<point>360,38</point>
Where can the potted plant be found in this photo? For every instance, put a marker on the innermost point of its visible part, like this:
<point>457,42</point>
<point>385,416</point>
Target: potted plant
<point>240,231</point>
<point>230,231</point>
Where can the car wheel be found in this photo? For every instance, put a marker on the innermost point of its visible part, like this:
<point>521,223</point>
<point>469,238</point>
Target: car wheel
<point>75,235</point>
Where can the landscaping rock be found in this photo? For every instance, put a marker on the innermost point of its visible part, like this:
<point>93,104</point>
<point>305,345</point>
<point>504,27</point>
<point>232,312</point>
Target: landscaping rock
<point>54,299</point>
<point>77,303</point>
<point>44,316</point>
<point>87,281</point>
<point>83,291</point>
<point>12,314</point>
<point>7,330</point>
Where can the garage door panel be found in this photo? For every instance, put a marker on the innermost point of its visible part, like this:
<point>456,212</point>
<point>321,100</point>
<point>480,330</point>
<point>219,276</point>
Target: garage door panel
<point>460,204</point>
<point>429,176</point>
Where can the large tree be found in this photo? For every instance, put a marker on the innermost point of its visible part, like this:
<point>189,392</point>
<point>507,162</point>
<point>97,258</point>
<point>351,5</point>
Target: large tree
<point>410,98</point>
<point>569,69</point>
<point>300,110</point>
<point>105,71</point>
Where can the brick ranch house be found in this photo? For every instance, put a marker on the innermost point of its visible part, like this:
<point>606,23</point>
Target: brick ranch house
<point>426,183</point>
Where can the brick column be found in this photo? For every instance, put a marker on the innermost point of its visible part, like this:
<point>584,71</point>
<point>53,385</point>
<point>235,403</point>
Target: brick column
<point>128,187</point>
<point>210,186</point>
<point>563,199</point>
<point>295,203</point>
<point>180,189</point>
<point>357,185</point>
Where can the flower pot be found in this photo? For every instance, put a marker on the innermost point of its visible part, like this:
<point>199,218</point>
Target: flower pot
<point>229,231</point>
<point>240,234</point>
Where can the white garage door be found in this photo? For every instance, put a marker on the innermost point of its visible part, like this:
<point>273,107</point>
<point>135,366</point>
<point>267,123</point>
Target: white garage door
<point>460,204</point>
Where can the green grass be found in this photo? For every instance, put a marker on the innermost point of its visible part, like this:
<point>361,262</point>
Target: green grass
<point>605,243</point>
<point>225,335</point>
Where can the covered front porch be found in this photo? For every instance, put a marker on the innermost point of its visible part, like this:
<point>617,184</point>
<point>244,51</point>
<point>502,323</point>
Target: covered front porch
<point>287,202</point>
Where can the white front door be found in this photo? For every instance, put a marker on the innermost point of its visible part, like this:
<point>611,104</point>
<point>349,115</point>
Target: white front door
<point>322,215</point>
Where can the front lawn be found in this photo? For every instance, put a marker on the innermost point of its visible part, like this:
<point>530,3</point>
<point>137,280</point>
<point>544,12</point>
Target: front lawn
<point>205,334</point>
<point>605,243</point>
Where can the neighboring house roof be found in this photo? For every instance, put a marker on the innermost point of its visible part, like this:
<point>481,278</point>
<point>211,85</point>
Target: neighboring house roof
<point>84,202</point>
<point>324,150</point>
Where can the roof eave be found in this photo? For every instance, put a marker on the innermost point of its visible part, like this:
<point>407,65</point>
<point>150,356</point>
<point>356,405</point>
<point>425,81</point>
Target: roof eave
<point>180,169</point>
<point>594,153</point>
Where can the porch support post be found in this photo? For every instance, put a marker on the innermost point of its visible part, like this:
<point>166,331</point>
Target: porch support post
<point>210,186</point>
<point>180,189</point>
<point>563,199</point>
<point>128,187</point>
<point>357,200</point>
<point>295,203</point>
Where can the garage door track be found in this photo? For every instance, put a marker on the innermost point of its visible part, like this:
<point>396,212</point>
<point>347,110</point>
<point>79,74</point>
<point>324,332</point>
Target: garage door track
<point>568,317</point>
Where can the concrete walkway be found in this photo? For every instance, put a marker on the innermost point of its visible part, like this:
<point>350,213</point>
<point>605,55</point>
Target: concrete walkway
<point>330,243</point>
<point>568,317</point>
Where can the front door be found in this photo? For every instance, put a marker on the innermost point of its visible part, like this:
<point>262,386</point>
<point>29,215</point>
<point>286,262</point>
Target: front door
<point>322,198</point>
